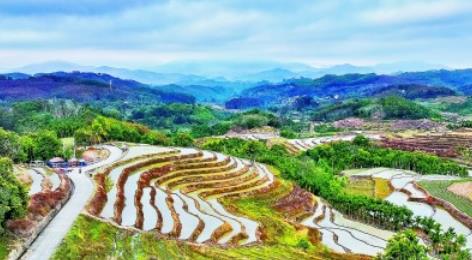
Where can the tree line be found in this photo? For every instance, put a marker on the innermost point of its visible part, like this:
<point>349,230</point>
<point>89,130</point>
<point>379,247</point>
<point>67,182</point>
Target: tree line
<point>361,153</point>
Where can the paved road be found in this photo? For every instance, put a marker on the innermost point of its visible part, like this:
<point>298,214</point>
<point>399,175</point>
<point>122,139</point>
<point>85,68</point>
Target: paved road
<point>45,244</point>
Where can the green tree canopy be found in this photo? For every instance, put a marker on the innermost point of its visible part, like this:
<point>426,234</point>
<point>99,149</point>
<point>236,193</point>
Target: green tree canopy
<point>13,195</point>
<point>405,246</point>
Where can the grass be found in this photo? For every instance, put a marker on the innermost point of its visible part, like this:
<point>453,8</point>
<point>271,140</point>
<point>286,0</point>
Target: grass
<point>382,188</point>
<point>68,142</point>
<point>376,187</point>
<point>5,241</point>
<point>93,239</point>
<point>361,187</point>
<point>439,190</point>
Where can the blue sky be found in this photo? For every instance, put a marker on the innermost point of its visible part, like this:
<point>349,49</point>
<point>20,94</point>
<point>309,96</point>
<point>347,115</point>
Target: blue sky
<point>142,33</point>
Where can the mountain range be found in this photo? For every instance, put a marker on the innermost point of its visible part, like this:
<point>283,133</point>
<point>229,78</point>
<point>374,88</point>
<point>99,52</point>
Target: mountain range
<point>89,86</point>
<point>82,87</point>
<point>418,84</point>
<point>222,73</point>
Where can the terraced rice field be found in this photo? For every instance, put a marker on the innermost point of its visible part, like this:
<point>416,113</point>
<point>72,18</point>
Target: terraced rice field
<point>300,145</point>
<point>450,191</point>
<point>344,235</point>
<point>406,194</point>
<point>175,192</point>
<point>39,177</point>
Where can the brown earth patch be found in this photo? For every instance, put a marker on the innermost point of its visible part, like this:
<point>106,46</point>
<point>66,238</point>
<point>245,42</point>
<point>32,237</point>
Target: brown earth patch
<point>463,189</point>
<point>297,202</point>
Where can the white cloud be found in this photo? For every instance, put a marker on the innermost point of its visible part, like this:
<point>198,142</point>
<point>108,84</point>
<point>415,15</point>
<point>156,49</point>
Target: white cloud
<point>413,11</point>
<point>315,32</point>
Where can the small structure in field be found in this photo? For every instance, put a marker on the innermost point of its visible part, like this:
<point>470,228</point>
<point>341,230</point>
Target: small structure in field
<point>90,156</point>
<point>73,162</point>
<point>36,163</point>
<point>56,162</point>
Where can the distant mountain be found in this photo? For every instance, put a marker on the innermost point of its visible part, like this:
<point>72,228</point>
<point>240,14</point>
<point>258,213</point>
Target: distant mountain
<point>243,103</point>
<point>83,87</point>
<point>208,94</point>
<point>413,91</point>
<point>233,70</point>
<point>272,75</point>
<point>144,76</point>
<point>217,73</point>
<point>218,81</point>
<point>16,75</point>
<point>359,85</point>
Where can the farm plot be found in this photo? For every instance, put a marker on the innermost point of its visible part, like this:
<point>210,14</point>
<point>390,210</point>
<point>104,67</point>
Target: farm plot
<point>407,194</point>
<point>176,192</point>
<point>456,192</point>
<point>344,235</point>
<point>37,180</point>
<point>40,179</point>
<point>300,145</point>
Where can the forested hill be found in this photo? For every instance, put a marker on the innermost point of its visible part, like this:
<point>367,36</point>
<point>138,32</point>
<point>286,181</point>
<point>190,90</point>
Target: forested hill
<point>436,83</point>
<point>83,87</point>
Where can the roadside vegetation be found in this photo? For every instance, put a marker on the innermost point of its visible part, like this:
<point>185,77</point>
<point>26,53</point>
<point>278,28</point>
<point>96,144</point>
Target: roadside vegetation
<point>13,202</point>
<point>13,195</point>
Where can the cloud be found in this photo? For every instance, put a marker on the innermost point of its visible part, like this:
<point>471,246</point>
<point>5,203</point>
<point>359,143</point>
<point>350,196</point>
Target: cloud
<point>130,33</point>
<point>66,7</point>
<point>416,11</point>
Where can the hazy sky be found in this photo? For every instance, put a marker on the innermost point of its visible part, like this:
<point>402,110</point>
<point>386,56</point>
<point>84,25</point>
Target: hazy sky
<point>142,33</point>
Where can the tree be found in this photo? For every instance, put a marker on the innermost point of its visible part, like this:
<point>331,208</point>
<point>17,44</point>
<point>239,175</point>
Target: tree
<point>288,133</point>
<point>13,195</point>
<point>182,139</point>
<point>156,138</point>
<point>83,136</point>
<point>46,145</point>
<point>9,144</point>
<point>404,245</point>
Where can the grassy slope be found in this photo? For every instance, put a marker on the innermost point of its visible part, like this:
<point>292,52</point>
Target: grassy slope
<point>439,189</point>
<point>5,241</point>
<point>92,239</point>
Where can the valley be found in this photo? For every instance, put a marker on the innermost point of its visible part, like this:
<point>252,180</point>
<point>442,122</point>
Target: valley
<point>311,178</point>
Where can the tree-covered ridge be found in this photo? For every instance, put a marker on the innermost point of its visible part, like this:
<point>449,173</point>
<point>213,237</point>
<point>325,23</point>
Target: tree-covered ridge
<point>173,116</point>
<point>414,91</point>
<point>84,87</point>
<point>391,107</point>
<point>362,85</point>
<point>59,115</point>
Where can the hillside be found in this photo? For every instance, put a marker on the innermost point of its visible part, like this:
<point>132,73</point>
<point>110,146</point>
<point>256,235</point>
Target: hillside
<point>391,107</point>
<point>433,84</point>
<point>414,91</point>
<point>203,93</point>
<point>83,87</point>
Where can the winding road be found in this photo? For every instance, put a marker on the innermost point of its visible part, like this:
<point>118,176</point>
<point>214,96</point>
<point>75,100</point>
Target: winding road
<point>45,244</point>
